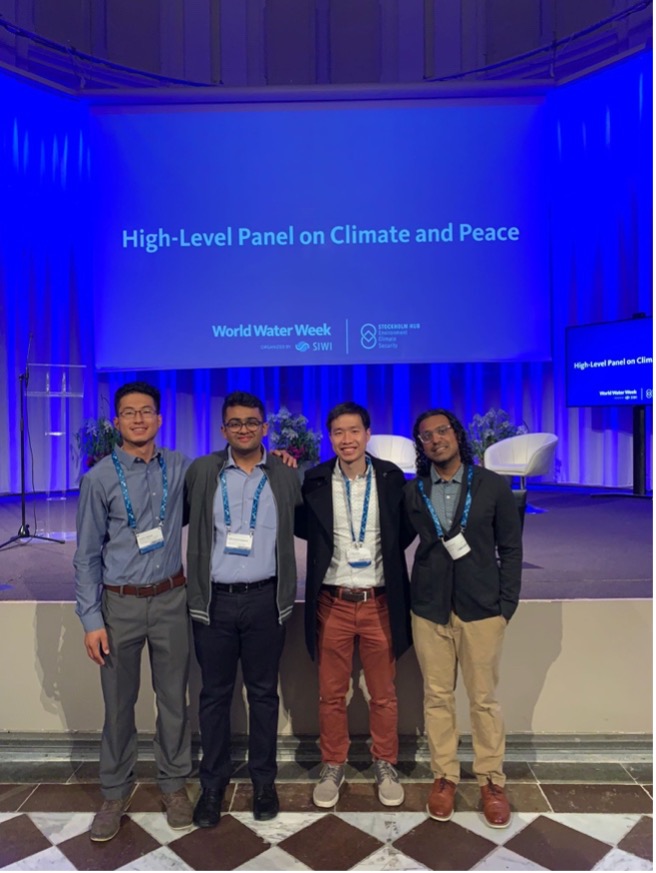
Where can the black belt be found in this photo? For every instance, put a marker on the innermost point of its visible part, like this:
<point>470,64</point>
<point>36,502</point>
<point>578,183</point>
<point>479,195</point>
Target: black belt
<point>353,595</point>
<point>241,587</point>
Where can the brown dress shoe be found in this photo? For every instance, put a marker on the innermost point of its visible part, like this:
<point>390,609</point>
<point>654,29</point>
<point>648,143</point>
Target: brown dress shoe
<point>440,800</point>
<point>496,808</point>
<point>179,809</point>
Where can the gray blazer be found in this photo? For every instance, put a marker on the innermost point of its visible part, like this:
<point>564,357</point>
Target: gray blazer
<point>200,488</point>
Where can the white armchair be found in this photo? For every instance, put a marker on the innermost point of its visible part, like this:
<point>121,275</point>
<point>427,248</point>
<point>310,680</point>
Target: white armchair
<point>399,450</point>
<point>529,454</point>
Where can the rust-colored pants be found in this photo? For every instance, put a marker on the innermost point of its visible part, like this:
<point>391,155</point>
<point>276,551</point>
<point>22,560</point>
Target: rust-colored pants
<point>340,622</point>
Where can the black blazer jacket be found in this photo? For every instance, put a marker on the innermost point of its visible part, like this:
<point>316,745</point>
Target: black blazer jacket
<point>318,498</point>
<point>485,582</point>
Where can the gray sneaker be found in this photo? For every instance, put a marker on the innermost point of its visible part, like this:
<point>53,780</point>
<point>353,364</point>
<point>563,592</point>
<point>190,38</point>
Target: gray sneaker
<point>107,820</point>
<point>326,791</point>
<point>390,790</point>
<point>179,809</point>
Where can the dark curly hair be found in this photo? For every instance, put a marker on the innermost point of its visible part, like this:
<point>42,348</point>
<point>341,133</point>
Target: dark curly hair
<point>423,463</point>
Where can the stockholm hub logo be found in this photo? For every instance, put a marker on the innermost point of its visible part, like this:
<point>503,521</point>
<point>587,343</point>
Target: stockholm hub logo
<point>368,337</point>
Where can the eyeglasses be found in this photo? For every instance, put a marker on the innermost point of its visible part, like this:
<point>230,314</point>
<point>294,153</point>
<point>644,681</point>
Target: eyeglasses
<point>427,435</point>
<point>236,424</point>
<point>130,414</point>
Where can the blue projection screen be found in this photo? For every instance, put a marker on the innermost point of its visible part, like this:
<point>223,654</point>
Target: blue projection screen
<point>610,364</point>
<point>342,232</point>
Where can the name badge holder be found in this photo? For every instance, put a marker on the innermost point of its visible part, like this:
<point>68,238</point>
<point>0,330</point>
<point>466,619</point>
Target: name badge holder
<point>358,555</point>
<point>147,540</point>
<point>457,546</point>
<point>240,543</point>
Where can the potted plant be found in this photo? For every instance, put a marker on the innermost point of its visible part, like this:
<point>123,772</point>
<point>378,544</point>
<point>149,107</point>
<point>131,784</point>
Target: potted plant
<point>484,430</point>
<point>291,432</point>
<point>96,438</point>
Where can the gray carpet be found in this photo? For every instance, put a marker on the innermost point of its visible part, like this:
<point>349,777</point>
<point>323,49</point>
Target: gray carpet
<point>582,547</point>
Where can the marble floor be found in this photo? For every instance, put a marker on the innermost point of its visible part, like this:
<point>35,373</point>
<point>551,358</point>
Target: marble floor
<point>566,816</point>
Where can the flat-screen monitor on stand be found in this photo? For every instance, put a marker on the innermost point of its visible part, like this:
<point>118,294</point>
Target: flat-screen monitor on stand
<point>611,364</point>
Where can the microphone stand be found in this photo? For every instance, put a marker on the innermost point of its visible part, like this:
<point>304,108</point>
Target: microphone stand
<point>24,529</point>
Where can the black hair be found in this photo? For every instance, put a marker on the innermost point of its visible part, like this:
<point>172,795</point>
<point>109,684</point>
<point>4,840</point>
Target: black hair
<point>348,408</point>
<point>137,388</point>
<point>242,398</point>
<point>423,463</point>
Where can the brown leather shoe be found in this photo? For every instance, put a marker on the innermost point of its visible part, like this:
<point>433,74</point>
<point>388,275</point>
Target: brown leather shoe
<point>496,808</point>
<point>440,800</point>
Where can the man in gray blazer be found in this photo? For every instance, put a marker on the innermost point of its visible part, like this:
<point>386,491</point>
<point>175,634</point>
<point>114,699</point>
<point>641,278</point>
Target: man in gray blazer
<point>241,504</point>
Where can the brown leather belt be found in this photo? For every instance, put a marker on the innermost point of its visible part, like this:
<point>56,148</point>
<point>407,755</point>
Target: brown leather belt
<point>353,595</point>
<point>150,590</point>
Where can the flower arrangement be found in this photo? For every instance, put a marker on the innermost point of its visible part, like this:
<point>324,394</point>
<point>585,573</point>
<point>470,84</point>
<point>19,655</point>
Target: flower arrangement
<point>495,425</point>
<point>95,439</point>
<point>291,432</point>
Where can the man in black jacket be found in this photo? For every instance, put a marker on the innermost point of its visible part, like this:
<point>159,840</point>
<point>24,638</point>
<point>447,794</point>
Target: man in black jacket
<point>465,588</point>
<point>357,587</point>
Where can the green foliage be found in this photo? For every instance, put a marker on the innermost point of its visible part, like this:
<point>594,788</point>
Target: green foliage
<point>495,425</point>
<point>291,432</point>
<point>95,439</point>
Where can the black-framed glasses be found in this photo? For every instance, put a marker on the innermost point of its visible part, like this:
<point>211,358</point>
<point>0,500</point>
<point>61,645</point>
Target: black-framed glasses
<point>249,424</point>
<point>427,435</point>
<point>129,414</point>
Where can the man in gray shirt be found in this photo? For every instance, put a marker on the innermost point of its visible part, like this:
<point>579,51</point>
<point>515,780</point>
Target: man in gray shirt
<point>130,590</point>
<point>465,588</point>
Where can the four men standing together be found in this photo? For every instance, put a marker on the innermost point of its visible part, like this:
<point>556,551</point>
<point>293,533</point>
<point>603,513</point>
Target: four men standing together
<point>244,506</point>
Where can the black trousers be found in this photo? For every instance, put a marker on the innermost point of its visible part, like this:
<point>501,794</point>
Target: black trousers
<point>243,627</point>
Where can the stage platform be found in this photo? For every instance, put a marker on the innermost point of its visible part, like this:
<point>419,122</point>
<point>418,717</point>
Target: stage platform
<point>577,657</point>
<point>583,546</point>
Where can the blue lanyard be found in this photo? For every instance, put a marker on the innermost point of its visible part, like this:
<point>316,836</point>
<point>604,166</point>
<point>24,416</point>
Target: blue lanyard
<point>226,505</point>
<point>465,512</point>
<point>365,506</point>
<point>132,521</point>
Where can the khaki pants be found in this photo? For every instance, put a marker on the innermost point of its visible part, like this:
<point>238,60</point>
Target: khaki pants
<point>475,646</point>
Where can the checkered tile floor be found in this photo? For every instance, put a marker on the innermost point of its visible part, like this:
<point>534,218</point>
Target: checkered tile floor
<point>558,824</point>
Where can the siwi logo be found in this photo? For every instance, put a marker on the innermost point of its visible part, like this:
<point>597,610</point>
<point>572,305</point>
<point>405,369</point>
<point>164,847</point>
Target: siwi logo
<point>302,346</point>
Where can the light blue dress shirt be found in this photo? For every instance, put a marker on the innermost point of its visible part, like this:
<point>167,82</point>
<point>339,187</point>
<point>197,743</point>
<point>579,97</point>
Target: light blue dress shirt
<point>261,562</point>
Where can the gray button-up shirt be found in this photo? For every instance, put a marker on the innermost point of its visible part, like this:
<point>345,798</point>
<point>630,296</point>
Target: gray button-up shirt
<point>445,495</point>
<point>107,551</point>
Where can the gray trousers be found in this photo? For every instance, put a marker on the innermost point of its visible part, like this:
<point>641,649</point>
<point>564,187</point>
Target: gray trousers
<point>162,623</point>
